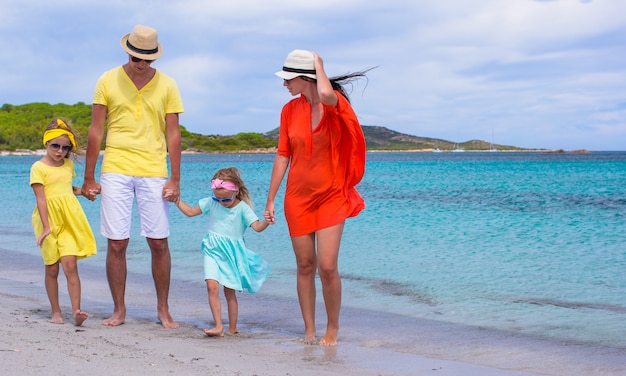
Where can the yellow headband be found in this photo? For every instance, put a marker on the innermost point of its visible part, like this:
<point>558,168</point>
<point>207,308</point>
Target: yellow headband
<point>57,132</point>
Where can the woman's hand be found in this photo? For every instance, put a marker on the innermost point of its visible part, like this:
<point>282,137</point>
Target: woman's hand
<point>268,214</point>
<point>317,61</point>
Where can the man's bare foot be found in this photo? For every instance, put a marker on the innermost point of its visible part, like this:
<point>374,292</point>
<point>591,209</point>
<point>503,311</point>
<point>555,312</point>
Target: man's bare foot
<point>80,317</point>
<point>167,321</point>
<point>215,332</point>
<point>116,319</point>
<point>328,340</point>
<point>56,318</point>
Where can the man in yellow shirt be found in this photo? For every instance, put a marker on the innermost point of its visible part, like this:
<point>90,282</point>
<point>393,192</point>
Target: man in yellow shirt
<point>141,106</point>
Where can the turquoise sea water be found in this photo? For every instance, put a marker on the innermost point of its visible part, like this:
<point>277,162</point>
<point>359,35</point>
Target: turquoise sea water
<point>524,243</point>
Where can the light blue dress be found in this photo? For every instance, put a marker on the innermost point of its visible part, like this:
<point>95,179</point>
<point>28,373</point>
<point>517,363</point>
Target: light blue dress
<point>226,257</point>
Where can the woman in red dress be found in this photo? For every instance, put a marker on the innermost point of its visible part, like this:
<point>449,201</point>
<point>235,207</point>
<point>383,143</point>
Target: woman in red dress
<point>322,144</point>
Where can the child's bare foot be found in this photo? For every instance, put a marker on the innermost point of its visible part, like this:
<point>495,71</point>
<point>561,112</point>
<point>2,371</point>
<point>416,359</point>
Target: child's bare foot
<point>215,332</point>
<point>167,321</point>
<point>116,319</point>
<point>328,340</point>
<point>80,317</point>
<point>56,318</point>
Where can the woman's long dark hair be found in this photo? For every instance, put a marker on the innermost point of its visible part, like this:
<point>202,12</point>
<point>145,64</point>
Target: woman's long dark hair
<point>338,82</point>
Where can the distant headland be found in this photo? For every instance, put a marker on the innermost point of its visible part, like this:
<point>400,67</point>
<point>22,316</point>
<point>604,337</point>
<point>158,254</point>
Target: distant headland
<point>21,125</point>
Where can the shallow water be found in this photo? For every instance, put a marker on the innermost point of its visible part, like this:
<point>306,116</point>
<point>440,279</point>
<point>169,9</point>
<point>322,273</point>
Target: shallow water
<point>525,244</point>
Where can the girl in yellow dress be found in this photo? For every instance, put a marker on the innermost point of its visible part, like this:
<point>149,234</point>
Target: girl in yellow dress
<point>61,227</point>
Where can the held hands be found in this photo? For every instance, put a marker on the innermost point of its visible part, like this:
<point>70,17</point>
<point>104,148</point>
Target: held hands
<point>171,191</point>
<point>90,190</point>
<point>269,215</point>
<point>269,218</point>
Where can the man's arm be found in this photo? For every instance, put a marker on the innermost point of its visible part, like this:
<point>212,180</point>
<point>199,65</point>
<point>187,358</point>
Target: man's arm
<point>94,139</point>
<point>171,189</point>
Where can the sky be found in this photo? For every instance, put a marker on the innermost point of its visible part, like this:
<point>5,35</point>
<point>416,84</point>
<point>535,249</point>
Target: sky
<point>530,73</point>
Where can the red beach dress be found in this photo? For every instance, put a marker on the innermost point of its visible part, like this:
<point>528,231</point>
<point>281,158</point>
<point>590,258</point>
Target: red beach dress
<point>326,164</point>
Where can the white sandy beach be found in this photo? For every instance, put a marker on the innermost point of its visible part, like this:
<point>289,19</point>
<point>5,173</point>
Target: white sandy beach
<point>268,343</point>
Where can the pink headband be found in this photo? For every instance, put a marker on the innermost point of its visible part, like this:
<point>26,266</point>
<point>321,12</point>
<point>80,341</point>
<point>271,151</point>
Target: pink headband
<point>223,184</point>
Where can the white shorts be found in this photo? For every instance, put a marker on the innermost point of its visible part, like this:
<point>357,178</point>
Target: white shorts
<point>116,208</point>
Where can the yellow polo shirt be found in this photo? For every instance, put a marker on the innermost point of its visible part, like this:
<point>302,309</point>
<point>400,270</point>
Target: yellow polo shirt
<point>135,142</point>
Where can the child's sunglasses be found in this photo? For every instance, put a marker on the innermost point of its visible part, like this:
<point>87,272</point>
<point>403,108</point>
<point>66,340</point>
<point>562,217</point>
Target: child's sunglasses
<point>224,200</point>
<point>65,148</point>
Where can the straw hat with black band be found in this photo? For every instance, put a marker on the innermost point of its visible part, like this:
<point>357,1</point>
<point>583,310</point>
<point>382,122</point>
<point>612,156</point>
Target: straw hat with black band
<point>143,43</point>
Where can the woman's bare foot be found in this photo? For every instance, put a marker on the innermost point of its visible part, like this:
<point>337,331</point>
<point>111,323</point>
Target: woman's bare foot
<point>80,317</point>
<point>56,318</point>
<point>215,332</point>
<point>167,321</point>
<point>328,340</point>
<point>116,319</point>
<point>309,340</point>
<point>232,331</point>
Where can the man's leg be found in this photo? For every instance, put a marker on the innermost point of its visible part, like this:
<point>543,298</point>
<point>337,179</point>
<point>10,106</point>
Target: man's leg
<point>154,218</point>
<point>115,219</point>
<point>161,269</point>
<point>116,274</point>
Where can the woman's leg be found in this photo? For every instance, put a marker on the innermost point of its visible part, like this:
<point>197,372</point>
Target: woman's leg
<point>233,309</point>
<point>328,242</point>
<point>52,288</point>
<point>213,288</point>
<point>304,250</point>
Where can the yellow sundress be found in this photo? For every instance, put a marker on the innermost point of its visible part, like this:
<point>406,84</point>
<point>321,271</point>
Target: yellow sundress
<point>70,233</point>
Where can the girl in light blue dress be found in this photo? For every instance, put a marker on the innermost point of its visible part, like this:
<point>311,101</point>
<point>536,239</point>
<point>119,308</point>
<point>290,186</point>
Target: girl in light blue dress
<point>227,260</point>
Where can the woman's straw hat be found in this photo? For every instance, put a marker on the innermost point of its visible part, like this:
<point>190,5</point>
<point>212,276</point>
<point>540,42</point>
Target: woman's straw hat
<point>298,63</point>
<point>142,42</point>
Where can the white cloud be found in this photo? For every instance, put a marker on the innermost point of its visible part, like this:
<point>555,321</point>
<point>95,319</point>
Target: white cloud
<point>536,73</point>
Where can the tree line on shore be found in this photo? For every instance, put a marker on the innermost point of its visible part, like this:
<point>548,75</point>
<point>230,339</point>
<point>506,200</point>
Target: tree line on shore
<point>21,127</point>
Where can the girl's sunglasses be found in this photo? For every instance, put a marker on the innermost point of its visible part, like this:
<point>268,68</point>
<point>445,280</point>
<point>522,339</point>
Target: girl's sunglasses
<point>65,148</point>
<point>224,200</point>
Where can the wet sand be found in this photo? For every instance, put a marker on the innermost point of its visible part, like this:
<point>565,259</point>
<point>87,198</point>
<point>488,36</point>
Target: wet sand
<point>269,342</point>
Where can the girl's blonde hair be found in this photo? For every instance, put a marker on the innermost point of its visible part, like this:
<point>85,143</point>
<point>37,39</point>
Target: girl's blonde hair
<point>54,124</point>
<point>233,175</point>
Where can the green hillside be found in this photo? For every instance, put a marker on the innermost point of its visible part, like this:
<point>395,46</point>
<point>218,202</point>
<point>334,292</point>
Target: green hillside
<point>21,128</point>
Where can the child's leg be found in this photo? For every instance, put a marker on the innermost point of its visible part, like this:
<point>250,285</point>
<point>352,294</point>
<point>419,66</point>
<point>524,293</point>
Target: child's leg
<point>52,288</point>
<point>233,309</point>
<point>213,288</point>
<point>70,268</point>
